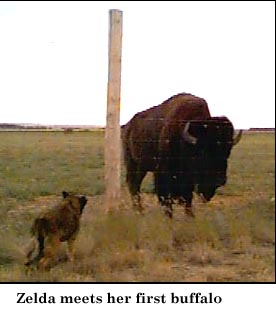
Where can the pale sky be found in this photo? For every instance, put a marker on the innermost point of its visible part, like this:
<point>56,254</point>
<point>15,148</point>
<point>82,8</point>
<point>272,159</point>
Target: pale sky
<point>54,59</point>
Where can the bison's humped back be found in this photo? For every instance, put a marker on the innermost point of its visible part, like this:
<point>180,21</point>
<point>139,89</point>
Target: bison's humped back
<point>144,134</point>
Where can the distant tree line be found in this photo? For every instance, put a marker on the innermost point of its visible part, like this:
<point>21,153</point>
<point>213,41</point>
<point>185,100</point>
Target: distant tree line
<point>262,129</point>
<point>20,126</point>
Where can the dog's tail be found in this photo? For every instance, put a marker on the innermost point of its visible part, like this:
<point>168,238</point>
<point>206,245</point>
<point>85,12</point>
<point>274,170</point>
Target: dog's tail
<point>40,229</point>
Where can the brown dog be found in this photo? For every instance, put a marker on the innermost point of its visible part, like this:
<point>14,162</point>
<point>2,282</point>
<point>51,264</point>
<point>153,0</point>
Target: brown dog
<point>57,225</point>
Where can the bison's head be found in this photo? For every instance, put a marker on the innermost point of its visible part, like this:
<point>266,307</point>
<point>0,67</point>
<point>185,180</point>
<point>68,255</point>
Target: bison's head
<point>210,143</point>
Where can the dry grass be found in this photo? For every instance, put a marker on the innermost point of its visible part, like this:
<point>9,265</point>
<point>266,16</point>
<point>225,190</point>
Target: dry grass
<point>232,238</point>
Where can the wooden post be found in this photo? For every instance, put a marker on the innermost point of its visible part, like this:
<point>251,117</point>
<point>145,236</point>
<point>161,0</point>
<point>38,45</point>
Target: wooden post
<point>112,130</point>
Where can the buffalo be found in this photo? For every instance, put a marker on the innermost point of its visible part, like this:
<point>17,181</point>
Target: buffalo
<point>186,149</point>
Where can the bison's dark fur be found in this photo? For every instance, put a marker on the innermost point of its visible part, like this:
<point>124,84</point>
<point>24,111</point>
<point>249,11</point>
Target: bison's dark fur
<point>185,148</point>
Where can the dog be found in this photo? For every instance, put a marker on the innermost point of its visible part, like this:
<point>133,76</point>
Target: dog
<point>59,224</point>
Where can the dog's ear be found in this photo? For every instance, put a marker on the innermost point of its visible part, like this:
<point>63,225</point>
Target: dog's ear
<point>65,194</point>
<point>83,200</point>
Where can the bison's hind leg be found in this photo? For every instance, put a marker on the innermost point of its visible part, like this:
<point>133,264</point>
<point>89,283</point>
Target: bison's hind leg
<point>162,185</point>
<point>134,179</point>
<point>136,203</point>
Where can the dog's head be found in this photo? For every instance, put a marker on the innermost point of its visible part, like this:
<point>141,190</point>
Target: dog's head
<point>77,201</point>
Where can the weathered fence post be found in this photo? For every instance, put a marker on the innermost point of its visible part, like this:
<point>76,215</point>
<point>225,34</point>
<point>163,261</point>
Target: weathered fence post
<point>112,130</point>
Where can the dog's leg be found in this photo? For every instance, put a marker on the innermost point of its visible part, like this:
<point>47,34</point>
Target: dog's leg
<point>30,250</point>
<point>50,249</point>
<point>70,248</point>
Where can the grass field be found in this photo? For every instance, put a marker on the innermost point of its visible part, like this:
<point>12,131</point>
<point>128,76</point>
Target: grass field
<point>232,238</point>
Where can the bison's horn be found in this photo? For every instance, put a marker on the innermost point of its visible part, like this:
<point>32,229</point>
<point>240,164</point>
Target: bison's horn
<point>237,138</point>
<point>187,136</point>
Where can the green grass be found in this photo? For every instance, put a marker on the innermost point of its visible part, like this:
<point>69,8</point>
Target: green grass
<point>42,163</point>
<point>231,239</point>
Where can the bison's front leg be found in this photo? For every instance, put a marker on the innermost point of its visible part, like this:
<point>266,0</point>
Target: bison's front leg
<point>182,189</point>
<point>188,206</point>
<point>186,198</point>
